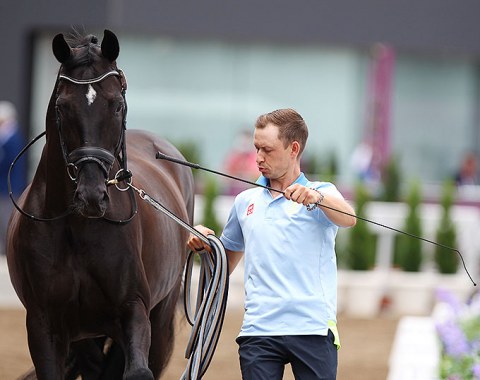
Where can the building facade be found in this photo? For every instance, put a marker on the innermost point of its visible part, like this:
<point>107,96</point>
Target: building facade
<point>203,71</point>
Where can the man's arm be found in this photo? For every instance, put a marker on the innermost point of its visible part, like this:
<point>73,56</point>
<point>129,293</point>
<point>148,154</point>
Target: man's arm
<point>234,258</point>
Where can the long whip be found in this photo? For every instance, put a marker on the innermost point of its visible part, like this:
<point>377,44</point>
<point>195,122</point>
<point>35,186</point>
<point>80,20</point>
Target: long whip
<point>162,156</point>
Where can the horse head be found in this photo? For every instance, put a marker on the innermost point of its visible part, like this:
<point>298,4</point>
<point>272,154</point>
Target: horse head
<point>90,111</point>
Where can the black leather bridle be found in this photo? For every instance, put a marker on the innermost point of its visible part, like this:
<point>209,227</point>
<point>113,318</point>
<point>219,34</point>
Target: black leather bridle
<point>101,156</point>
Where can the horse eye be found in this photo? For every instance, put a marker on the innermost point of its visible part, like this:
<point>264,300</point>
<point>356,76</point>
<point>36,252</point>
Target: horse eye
<point>119,108</point>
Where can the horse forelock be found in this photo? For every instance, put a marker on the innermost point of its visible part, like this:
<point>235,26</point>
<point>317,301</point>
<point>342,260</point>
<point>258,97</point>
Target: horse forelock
<point>85,48</point>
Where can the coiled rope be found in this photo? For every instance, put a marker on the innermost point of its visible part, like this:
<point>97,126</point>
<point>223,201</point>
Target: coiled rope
<point>211,301</point>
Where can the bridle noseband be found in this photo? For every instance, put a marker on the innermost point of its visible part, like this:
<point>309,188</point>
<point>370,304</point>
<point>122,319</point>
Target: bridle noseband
<point>101,156</point>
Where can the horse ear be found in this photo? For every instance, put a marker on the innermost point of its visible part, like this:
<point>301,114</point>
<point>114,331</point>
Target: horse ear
<point>110,46</point>
<point>60,48</point>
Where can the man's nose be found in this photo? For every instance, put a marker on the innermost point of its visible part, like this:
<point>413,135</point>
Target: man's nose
<point>259,158</point>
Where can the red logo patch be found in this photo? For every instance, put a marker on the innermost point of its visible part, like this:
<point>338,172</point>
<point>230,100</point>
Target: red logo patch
<point>250,209</point>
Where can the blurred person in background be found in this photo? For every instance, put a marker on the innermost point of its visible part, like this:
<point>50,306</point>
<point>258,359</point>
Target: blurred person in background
<point>288,245</point>
<point>468,171</point>
<point>241,163</point>
<point>11,143</point>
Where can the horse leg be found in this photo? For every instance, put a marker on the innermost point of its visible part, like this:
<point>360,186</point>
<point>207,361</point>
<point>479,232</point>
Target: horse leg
<point>48,348</point>
<point>136,342</point>
<point>162,319</point>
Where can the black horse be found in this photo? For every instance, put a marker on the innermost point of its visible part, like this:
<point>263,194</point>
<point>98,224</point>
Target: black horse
<point>98,272</point>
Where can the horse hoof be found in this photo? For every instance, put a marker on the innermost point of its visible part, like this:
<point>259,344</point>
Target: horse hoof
<point>139,374</point>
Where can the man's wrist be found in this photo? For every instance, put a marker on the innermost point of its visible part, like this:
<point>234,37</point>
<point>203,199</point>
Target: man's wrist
<point>313,206</point>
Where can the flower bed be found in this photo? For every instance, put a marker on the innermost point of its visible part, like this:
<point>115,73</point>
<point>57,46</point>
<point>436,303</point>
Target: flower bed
<point>458,329</point>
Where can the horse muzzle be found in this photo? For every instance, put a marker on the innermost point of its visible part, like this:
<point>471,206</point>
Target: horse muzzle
<point>91,197</point>
<point>91,201</point>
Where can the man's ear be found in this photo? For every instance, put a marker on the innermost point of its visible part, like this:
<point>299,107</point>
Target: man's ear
<point>295,148</point>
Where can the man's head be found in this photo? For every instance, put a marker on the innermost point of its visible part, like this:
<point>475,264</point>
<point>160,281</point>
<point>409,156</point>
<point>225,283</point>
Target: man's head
<point>291,126</point>
<point>279,139</point>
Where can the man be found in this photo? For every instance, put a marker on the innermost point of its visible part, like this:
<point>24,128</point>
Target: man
<point>290,262</point>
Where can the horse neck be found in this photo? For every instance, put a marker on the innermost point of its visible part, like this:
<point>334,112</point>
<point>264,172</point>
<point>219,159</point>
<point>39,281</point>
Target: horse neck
<point>51,171</point>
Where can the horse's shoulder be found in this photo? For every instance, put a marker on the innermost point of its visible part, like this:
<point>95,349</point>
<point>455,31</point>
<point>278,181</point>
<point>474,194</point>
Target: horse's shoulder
<point>140,139</point>
<point>140,134</point>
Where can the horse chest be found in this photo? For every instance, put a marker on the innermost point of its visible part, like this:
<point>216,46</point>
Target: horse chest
<point>75,273</point>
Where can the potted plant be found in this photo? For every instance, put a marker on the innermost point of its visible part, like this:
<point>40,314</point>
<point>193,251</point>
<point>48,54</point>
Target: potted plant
<point>408,252</point>
<point>365,285</point>
<point>446,259</point>
<point>361,244</point>
<point>411,289</point>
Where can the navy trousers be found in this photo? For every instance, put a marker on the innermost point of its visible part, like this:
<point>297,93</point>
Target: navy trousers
<point>312,357</point>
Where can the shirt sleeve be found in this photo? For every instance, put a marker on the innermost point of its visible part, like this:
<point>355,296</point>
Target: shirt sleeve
<point>326,188</point>
<point>232,235</point>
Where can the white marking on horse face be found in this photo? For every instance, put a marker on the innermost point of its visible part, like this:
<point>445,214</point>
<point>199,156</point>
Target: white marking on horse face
<point>91,95</point>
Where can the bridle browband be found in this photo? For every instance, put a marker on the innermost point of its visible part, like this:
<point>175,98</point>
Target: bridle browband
<point>118,73</point>
<point>101,156</point>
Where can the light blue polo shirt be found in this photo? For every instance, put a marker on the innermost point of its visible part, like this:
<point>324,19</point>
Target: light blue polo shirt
<point>290,263</point>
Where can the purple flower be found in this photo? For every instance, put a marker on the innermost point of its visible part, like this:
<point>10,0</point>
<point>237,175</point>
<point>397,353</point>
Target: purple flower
<point>454,377</point>
<point>450,299</point>
<point>454,340</point>
<point>476,371</point>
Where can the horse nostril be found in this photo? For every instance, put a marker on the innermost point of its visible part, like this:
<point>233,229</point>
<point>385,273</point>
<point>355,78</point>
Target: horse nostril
<point>106,197</point>
<point>78,197</point>
<point>100,198</point>
<point>91,202</point>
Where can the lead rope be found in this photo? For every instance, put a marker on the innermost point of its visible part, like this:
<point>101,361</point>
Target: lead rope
<point>212,293</point>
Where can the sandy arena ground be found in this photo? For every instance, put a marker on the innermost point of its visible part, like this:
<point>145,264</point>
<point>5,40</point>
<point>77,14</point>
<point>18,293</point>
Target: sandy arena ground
<point>366,346</point>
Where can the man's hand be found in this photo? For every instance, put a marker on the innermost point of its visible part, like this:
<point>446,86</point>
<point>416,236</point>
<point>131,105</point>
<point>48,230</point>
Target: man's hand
<point>302,194</point>
<point>197,244</point>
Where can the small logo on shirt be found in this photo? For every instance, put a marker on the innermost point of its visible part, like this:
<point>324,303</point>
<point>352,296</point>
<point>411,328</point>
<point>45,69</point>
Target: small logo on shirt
<point>250,209</point>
